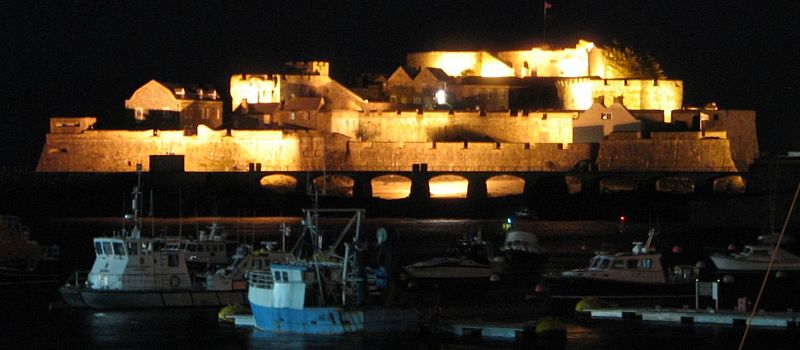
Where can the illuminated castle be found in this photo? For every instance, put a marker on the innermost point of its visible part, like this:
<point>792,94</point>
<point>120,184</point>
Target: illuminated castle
<point>511,111</point>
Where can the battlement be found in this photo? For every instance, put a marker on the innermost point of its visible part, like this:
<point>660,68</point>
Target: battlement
<point>71,125</point>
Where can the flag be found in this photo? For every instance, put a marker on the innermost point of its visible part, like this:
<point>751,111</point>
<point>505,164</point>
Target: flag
<point>547,5</point>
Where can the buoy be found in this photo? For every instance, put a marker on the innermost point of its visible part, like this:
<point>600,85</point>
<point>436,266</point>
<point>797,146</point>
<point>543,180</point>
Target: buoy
<point>584,247</point>
<point>731,247</point>
<point>677,249</point>
<point>700,264</point>
<point>540,288</point>
<point>587,303</point>
<point>494,277</point>
<point>780,274</point>
<point>727,279</point>
<point>230,310</point>
<point>550,328</point>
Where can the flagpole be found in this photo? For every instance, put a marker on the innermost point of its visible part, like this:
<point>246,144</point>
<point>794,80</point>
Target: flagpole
<point>545,5</point>
<point>544,22</point>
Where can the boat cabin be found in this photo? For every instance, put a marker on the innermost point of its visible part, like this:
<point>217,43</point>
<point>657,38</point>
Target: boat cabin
<point>644,268</point>
<point>283,286</point>
<point>131,264</point>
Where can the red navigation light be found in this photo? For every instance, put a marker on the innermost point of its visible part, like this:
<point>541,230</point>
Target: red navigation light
<point>621,218</point>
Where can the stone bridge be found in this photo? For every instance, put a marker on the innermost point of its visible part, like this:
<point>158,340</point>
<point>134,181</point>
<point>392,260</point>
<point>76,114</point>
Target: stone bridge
<point>418,182</point>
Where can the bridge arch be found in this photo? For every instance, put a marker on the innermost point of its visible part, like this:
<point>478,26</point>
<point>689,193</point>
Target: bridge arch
<point>675,184</point>
<point>505,185</point>
<point>448,186</point>
<point>279,183</point>
<point>613,184</point>
<point>335,185</point>
<point>729,184</point>
<point>391,186</point>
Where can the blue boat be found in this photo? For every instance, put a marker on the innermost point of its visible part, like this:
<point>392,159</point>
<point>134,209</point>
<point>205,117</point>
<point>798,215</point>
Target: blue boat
<point>325,291</point>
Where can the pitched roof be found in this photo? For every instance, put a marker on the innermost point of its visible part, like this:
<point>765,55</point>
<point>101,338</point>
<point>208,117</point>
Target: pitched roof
<point>304,104</point>
<point>439,74</point>
<point>190,91</point>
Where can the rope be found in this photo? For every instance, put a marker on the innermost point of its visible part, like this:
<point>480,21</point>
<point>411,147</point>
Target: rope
<point>769,267</point>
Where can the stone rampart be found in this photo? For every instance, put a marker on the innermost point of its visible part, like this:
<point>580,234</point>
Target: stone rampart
<point>687,152</point>
<point>429,126</point>
<point>465,156</point>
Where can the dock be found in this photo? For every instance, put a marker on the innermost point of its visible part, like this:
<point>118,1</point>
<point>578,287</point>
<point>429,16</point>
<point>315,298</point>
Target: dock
<point>787,319</point>
<point>496,330</point>
<point>243,320</point>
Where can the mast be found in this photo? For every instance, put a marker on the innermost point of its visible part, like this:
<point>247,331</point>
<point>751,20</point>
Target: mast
<point>137,203</point>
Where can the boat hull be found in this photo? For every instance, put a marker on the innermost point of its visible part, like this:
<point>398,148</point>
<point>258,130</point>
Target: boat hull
<point>334,320</point>
<point>729,263</point>
<point>116,299</point>
<point>585,287</point>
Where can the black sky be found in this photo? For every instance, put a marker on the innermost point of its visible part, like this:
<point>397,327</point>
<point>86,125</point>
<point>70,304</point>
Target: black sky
<point>85,58</point>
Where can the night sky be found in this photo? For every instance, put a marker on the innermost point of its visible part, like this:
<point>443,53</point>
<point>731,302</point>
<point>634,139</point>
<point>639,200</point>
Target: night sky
<point>85,58</point>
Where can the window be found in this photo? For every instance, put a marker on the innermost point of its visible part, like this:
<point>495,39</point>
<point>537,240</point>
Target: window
<point>285,276</point>
<point>118,249</point>
<point>107,248</point>
<point>618,264</point>
<point>98,248</point>
<point>647,263</point>
<point>605,116</point>
<point>172,260</point>
<point>604,263</point>
<point>277,276</point>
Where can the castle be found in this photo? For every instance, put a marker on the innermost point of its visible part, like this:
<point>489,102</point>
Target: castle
<point>534,110</point>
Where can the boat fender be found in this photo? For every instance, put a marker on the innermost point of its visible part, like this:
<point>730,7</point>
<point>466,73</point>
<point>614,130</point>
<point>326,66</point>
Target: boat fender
<point>586,304</point>
<point>233,309</point>
<point>175,281</point>
<point>550,328</point>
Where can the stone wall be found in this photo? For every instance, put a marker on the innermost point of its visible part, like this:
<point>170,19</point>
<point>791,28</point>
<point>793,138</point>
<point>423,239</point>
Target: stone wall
<point>410,126</point>
<point>208,151</point>
<point>465,156</point>
<point>687,151</point>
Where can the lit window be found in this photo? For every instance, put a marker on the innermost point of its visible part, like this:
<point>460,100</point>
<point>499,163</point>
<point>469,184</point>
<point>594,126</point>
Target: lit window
<point>605,116</point>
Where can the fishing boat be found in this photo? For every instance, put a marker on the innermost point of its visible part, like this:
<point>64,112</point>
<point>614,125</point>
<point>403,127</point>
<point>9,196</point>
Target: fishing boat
<point>323,287</point>
<point>22,258</point>
<point>133,272</point>
<point>643,271</point>
<point>756,258</point>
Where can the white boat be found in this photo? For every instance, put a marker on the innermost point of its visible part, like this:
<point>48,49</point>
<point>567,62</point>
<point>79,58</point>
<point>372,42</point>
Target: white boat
<point>642,271</point>
<point>131,272</point>
<point>472,261</point>
<point>322,290</point>
<point>756,258</point>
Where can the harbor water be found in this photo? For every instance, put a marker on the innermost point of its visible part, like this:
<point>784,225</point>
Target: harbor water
<point>34,317</point>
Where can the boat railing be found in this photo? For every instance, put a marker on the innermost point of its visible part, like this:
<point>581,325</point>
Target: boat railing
<point>78,279</point>
<point>261,279</point>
